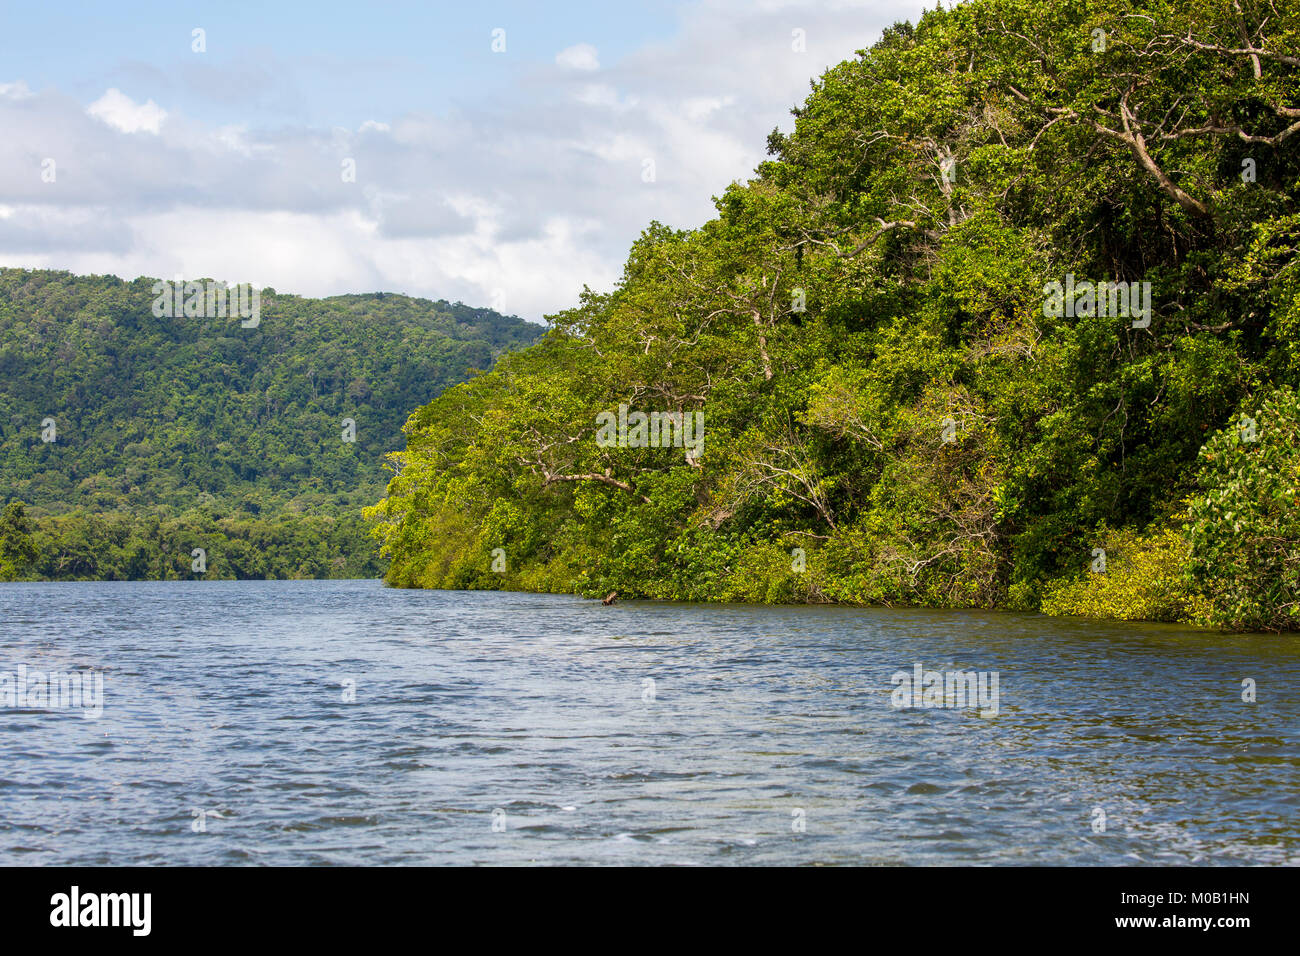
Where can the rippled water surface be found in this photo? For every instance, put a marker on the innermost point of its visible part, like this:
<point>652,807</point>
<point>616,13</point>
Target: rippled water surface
<point>511,728</point>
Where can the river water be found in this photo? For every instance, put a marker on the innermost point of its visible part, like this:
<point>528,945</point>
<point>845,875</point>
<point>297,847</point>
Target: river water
<point>339,722</point>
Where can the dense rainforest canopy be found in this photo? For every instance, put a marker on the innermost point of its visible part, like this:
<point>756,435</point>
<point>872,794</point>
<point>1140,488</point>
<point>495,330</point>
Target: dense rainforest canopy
<point>1011,318</point>
<point>129,438</point>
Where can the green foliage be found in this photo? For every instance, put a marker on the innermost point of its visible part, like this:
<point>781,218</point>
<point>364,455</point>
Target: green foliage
<point>1145,580</point>
<point>115,546</point>
<point>211,427</point>
<point>17,549</point>
<point>1245,520</point>
<point>884,273</point>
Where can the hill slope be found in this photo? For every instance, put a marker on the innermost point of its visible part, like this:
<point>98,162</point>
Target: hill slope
<point>156,417</point>
<point>915,388</point>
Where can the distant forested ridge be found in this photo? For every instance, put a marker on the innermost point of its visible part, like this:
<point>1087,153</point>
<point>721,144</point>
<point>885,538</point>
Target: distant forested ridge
<point>132,438</point>
<point>1011,319</point>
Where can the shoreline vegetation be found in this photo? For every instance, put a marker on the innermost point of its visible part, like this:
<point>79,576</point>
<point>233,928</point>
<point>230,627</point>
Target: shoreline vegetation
<point>1010,320</point>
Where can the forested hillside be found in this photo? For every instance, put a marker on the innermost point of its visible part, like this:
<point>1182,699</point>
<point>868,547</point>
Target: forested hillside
<point>133,437</point>
<point>1010,319</point>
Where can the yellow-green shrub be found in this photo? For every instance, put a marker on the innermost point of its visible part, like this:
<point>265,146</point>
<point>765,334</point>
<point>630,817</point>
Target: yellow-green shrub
<point>1145,579</point>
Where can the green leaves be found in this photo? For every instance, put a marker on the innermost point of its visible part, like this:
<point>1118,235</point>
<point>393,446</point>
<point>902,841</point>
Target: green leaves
<point>18,551</point>
<point>1244,525</point>
<point>883,276</point>
<point>155,414</point>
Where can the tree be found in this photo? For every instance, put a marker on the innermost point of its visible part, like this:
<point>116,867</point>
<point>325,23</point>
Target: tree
<point>17,549</point>
<point>1245,521</point>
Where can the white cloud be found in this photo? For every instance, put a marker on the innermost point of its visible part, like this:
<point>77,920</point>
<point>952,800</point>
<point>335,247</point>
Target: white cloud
<point>122,113</point>
<point>597,94</point>
<point>234,138</point>
<point>15,91</point>
<point>534,189</point>
<point>698,108</point>
<point>580,56</point>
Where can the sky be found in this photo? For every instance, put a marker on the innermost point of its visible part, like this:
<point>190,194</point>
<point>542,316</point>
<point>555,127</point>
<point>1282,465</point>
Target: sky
<point>503,154</point>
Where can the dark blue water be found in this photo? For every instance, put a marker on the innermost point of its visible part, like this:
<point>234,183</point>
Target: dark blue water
<point>515,729</point>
